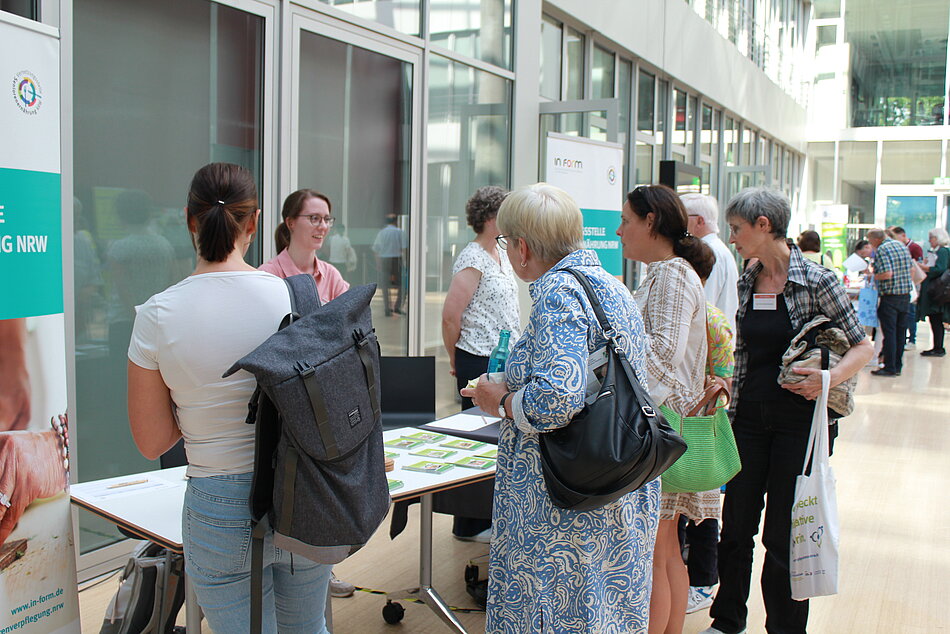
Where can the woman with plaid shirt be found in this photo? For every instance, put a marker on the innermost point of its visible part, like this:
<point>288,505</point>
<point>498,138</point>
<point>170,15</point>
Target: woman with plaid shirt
<point>778,294</point>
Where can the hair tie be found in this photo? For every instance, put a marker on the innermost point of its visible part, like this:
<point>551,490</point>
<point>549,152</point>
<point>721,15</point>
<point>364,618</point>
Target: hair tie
<point>222,203</point>
<point>686,234</point>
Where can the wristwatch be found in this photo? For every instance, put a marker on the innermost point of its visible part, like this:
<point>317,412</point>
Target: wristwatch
<point>501,405</point>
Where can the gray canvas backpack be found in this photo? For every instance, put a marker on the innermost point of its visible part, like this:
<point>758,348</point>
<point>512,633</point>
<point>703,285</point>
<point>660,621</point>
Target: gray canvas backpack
<point>150,594</point>
<point>319,476</point>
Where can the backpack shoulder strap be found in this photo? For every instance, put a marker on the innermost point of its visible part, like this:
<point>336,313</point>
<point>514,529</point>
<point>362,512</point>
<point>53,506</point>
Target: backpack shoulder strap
<point>304,298</point>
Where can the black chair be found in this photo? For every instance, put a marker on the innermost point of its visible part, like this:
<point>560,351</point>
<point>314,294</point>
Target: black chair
<point>407,386</point>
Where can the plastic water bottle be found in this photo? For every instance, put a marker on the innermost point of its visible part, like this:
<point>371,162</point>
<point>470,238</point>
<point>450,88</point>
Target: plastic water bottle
<point>496,361</point>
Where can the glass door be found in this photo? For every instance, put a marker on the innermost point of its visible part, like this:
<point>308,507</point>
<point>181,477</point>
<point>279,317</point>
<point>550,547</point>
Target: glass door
<point>350,137</point>
<point>144,121</point>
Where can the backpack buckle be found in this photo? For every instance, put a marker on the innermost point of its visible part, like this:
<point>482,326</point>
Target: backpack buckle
<point>303,368</point>
<point>649,411</point>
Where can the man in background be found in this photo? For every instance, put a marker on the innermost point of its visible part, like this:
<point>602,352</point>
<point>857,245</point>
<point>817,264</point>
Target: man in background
<point>917,255</point>
<point>892,273</point>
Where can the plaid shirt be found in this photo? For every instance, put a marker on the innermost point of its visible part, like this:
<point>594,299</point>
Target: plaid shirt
<point>893,256</point>
<point>811,290</point>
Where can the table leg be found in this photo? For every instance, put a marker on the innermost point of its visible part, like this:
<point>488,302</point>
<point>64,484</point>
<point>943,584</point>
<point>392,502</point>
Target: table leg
<point>426,592</point>
<point>192,609</point>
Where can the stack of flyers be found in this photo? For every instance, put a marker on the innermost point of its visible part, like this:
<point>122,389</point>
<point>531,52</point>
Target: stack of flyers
<point>488,453</point>
<point>427,466</point>
<point>426,436</point>
<point>459,443</point>
<point>440,454</point>
<point>474,462</point>
<point>403,443</point>
<point>394,484</point>
<point>390,454</point>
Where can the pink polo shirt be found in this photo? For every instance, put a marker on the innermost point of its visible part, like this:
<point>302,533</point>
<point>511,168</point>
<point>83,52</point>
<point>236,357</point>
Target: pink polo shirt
<point>330,284</point>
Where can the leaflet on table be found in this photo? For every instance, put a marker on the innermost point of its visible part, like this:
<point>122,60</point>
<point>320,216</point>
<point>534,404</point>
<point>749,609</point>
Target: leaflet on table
<point>464,422</point>
<point>474,462</point>
<point>461,443</point>
<point>130,486</point>
<point>426,436</point>
<point>427,466</point>
<point>440,454</point>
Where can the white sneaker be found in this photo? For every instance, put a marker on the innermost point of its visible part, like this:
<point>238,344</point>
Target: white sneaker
<point>700,597</point>
<point>712,630</point>
<point>340,589</point>
<point>909,346</point>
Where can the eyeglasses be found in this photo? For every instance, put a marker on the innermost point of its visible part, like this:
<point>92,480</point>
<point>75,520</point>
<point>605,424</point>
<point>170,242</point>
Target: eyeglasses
<point>502,242</point>
<point>317,219</point>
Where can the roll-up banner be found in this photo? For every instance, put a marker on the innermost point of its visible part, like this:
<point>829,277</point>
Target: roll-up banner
<point>590,171</point>
<point>37,557</point>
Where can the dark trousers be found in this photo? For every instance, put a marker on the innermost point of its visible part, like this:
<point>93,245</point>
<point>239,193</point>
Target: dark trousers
<point>771,441</point>
<point>468,366</point>
<point>892,312</point>
<point>936,327</point>
<point>391,278</point>
<point>703,540</point>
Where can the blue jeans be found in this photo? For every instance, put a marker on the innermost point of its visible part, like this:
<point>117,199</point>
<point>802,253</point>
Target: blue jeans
<point>216,528</point>
<point>892,312</point>
<point>912,324</point>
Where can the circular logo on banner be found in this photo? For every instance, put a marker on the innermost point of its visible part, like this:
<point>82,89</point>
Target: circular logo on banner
<point>611,175</point>
<point>27,92</point>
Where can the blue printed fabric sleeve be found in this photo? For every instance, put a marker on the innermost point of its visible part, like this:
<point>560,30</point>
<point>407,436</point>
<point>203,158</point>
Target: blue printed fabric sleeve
<point>555,390</point>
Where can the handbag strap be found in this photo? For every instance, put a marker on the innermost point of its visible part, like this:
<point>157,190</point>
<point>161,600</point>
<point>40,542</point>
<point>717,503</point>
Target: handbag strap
<point>643,398</point>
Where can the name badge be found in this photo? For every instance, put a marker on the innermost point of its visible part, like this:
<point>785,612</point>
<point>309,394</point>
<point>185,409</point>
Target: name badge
<point>764,301</point>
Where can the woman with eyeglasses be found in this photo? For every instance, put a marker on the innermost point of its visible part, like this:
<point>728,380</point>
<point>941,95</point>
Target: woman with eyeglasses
<point>305,225</point>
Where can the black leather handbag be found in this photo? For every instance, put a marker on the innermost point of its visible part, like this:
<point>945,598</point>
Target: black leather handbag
<point>613,446</point>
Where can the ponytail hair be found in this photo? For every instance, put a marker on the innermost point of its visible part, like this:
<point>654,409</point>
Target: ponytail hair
<point>293,205</point>
<point>670,222</point>
<point>221,200</point>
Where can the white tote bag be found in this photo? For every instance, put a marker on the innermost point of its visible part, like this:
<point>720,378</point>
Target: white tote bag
<point>814,552</point>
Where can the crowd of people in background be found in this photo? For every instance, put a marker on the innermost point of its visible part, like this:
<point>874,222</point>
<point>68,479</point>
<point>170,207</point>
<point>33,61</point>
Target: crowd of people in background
<point>696,315</point>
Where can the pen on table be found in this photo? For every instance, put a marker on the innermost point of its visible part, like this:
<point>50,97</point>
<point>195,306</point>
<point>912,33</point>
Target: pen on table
<point>127,484</point>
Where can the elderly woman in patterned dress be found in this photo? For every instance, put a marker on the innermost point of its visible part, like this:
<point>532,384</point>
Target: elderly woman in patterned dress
<point>653,231</point>
<point>555,570</point>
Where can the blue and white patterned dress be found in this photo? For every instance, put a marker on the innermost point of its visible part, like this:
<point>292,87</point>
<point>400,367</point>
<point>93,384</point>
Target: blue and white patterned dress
<point>553,570</point>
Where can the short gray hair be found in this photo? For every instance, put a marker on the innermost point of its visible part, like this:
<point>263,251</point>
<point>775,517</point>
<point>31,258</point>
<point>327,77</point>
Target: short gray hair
<point>941,236</point>
<point>546,218</point>
<point>754,202</point>
<point>706,207</point>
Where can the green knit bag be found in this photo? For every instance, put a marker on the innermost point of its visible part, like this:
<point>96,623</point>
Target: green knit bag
<point>711,458</point>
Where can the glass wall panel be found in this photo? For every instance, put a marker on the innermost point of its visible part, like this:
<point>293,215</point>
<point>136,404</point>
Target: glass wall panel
<point>916,214</point>
<point>602,74</point>
<point>662,115</point>
<point>481,29</point>
<point>691,128</point>
<point>646,102</point>
<point>624,83</point>
<point>364,100</point>
<point>28,9</point>
<point>857,166</point>
<point>731,141</point>
<point>468,135</point>
<point>574,64</point>
<point>644,164</point>
<point>708,134</point>
<point>402,15</point>
<point>748,149</point>
<point>679,118</point>
<point>827,9</point>
<point>898,62</point>
<point>826,35</point>
<point>132,166</point>
<point>910,162</point>
<point>550,58</point>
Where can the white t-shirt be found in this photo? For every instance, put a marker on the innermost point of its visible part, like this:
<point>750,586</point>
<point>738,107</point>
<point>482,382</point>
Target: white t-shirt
<point>192,333</point>
<point>494,305</point>
<point>721,288</point>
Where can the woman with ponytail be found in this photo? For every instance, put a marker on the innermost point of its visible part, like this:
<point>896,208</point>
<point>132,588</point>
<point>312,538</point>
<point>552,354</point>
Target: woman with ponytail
<point>182,340</point>
<point>305,224</point>
<point>653,231</point>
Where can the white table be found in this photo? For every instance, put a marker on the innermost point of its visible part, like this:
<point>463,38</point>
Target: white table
<point>148,505</point>
<point>422,486</point>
